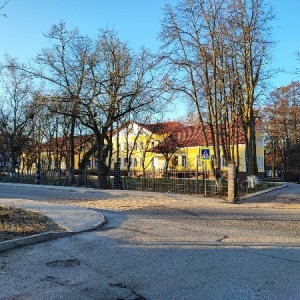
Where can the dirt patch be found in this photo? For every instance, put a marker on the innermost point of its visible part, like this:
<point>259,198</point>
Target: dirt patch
<point>17,223</point>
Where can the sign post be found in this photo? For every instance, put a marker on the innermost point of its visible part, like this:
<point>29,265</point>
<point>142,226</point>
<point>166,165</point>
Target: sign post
<point>205,156</point>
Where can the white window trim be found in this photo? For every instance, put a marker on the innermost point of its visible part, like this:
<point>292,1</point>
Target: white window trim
<point>183,162</point>
<point>260,142</point>
<point>260,162</point>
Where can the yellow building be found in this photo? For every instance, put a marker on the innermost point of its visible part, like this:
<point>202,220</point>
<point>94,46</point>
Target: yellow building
<point>55,154</point>
<point>149,146</point>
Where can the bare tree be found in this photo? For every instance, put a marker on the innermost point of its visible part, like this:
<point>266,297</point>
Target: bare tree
<point>120,82</point>
<point>2,7</point>
<point>166,140</point>
<point>282,125</point>
<point>95,83</point>
<point>15,110</point>
<point>249,22</point>
<point>63,69</point>
<point>51,135</point>
<point>137,138</point>
<point>190,34</point>
<point>215,51</point>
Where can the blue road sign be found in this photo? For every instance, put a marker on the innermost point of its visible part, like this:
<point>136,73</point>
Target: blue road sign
<point>205,154</point>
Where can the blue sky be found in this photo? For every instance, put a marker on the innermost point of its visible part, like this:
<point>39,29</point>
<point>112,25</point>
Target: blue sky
<point>21,33</point>
<point>136,21</point>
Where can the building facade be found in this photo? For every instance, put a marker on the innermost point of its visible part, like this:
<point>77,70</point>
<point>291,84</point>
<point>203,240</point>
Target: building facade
<point>142,147</point>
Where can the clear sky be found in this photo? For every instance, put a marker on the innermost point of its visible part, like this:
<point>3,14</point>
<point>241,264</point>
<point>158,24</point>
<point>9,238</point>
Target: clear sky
<point>136,21</point>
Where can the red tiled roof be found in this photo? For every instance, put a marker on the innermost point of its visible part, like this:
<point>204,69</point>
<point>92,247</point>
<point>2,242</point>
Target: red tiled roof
<point>193,136</point>
<point>63,142</point>
<point>164,127</point>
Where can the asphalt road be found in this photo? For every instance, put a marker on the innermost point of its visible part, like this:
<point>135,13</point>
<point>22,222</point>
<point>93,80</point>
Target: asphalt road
<point>162,247</point>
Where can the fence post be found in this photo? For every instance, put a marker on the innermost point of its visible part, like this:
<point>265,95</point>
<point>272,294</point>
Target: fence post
<point>205,178</point>
<point>197,178</point>
<point>231,181</point>
<point>117,176</point>
<point>38,173</point>
<point>153,178</point>
<point>59,176</point>
<point>71,175</point>
<point>85,177</point>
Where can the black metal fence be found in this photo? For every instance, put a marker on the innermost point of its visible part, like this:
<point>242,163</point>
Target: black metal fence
<point>172,181</point>
<point>175,181</point>
<point>84,178</point>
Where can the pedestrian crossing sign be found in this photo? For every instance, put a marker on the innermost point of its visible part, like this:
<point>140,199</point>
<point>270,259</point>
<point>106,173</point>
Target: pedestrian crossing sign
<point>205,154</point>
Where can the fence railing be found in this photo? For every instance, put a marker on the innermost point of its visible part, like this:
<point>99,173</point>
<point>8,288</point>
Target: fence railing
<point>61,177</point>
<point>156,180</point>
<point>174,181</point>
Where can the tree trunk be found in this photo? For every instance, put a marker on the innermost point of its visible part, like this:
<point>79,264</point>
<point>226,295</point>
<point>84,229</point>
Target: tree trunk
<point>72,150</point>
<point>102,153</point>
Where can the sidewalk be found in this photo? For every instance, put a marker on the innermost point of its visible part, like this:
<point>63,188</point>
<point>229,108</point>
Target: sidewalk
<point>73,218</point>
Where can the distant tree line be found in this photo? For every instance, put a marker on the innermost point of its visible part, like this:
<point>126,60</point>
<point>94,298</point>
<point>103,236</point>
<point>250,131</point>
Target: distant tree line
<point>282,127</point>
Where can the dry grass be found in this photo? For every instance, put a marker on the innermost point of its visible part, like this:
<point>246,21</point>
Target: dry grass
<point>17,223</point>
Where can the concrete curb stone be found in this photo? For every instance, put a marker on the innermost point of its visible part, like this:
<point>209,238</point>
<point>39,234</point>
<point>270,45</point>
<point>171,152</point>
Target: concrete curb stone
<point>261,192</point>
<point>42,237</point>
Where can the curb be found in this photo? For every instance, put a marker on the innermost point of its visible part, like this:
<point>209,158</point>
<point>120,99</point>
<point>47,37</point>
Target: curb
<point>37,238</point>
<point>52,187</point>
<point>260,192</point>
<point>43,237</point>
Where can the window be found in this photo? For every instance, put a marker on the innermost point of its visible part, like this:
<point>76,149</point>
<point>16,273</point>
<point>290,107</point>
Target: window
<point>124,162</point>
<point>260,162</point>
<point>141,162</point>
<point>223,161</point>
<point>135,162</point>
<point>260,142</point>
<point>183,160</point>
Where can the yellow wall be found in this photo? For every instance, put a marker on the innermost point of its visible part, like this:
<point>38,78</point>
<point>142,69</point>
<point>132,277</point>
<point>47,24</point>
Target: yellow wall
<point>146,140</point>
<point>191,153</point>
